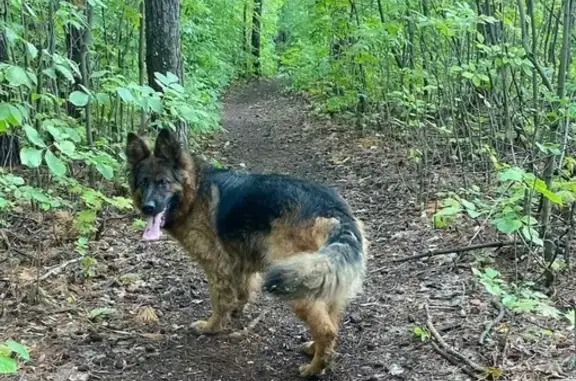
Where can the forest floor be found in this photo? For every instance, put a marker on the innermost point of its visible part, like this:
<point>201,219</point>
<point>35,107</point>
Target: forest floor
<point>97,328</point>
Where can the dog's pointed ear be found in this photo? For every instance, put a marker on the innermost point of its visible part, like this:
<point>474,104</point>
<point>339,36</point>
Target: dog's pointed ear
<point>169,148</point>
<point>136,149</point>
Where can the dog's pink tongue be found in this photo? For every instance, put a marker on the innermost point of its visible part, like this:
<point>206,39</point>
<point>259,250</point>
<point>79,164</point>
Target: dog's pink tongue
<point>152,231</point>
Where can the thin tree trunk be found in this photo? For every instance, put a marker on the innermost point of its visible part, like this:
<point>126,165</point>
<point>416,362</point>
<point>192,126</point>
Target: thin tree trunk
<point>551,159</point>
<point>85,70</point>
<point>74,48</point>
<point>256,19</point>
<point>141,63</point>
<point>162,30</point>
<point>245,31</point>
<point>9,143</point>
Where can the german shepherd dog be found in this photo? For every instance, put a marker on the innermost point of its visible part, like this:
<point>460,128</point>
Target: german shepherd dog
<point>293,238</point>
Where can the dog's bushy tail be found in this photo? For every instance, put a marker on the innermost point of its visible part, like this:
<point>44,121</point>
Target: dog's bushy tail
<point>335,272</point>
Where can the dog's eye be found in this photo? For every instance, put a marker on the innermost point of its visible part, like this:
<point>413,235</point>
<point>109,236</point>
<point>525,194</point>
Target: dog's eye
<point>162,182</point>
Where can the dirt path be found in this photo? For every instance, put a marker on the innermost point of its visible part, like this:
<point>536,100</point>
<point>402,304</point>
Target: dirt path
<point>266,131</point>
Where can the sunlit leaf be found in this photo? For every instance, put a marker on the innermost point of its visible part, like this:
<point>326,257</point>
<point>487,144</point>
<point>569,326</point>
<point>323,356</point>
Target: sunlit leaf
<point>105,170</point>
<point>8,365</point>
<point>79,98</point>
<point>17,76</point>
<point>66,147</point>
<point>19,349</point>
<point>33,136</point>
<point>31,157</point>
<point>55,164</point>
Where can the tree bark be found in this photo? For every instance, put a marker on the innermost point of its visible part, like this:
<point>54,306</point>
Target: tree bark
<point>162,38</point>
<point>142,63</point>
<point>74,50</point>
<point>162,30</point>
<point>256,16</point>
<point>9,143</point>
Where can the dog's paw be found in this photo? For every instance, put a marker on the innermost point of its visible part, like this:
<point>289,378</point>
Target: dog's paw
<point>308,348</point>
<point>309,370</point>
<point>201,327</point>
<point>240,310</point>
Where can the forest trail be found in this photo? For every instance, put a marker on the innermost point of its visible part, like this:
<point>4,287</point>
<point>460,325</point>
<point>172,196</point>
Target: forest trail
<point>268,130</point>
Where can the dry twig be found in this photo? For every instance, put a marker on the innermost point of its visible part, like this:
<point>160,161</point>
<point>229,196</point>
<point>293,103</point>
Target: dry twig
<point>56,269</point>
<point>448,251</point>
<point>453,361</point>
<point>447,351</point>
<point>493,323</point>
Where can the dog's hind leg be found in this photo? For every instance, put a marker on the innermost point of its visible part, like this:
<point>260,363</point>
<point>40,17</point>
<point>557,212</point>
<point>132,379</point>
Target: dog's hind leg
<point>249,285</point>
<point>317,315</point>
<point>335,310</point>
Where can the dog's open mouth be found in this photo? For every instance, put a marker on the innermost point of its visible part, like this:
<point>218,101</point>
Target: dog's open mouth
<point>155,223</point>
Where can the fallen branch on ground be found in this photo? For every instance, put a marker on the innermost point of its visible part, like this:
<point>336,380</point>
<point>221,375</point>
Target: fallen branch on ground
<point>444,349</point>
<point>56,269</point>
<point>453,361</point>
<point>448,251</point>
<point>493,323</point>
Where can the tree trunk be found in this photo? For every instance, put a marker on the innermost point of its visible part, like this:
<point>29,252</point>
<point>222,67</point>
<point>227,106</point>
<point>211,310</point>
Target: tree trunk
<point>9,150</point>
<point>162,29</point>
<point>256,16</point>
<point>142,64</point>
<point>9,143</point>
<point>74,50</point>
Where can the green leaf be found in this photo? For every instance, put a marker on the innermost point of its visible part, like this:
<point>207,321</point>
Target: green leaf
<point>177,87</point>
<point>66,147</point>
<point>33,136</point>
<point>125,94</point>
<point>103,98</point>
<point>155,105</point>
<point>8,365</point>
<point>531,235</point>
<point>491,273</point>
<point>79,98</point>
<point>529,220</point>
<point>11,114</point>
<point>98,74</point>
<point>101,312</point>
<point>38,195</point>
<point>541,187</point>
<point>56,165</point>
<point>467,204</point>
<point>11,35</point>
<point>476,81</point>
<point>511,174</point>
<point>31,157</point>
<point>65,72</point>
<point>473,213</point>
<point>17,76</point>
<point>467,75</point>
<point>105,170</point>
<point>121,202</point>
<point>19,349</point>
<point>31,50</point>
<point>16,116</point>
<point>508,225</point>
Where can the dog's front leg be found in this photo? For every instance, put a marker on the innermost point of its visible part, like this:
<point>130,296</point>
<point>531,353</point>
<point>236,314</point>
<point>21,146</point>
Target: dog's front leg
<point>223,299</point>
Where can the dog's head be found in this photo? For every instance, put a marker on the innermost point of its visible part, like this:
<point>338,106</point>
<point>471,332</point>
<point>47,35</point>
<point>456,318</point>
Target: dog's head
<point>158,179</point>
